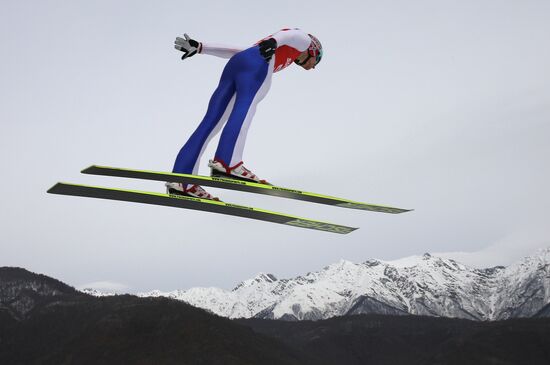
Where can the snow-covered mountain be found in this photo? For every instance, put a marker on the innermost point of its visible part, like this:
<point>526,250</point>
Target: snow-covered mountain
<point>96,292</point>
<point>424,285</point>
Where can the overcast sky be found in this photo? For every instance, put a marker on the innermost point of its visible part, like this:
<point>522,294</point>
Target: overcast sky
<point>441,106</point>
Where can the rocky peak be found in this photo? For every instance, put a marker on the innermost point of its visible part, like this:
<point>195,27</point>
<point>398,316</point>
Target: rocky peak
<point>259,280</point>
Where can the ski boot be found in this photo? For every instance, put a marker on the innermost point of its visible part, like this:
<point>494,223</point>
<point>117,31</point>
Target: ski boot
<point>195,191</point>
<point>237,172</point>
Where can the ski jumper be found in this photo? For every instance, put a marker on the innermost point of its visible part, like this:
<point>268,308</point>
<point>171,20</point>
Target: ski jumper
<point>245,81</point>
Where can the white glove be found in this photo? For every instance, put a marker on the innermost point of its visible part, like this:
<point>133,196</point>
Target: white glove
<point>188,46</point>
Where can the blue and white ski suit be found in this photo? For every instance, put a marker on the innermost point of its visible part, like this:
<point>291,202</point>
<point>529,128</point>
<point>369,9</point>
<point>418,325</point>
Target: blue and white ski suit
<point>245,81</point>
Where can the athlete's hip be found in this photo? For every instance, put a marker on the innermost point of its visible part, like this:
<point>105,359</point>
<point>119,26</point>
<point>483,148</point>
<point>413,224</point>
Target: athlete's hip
<point>250,58</point>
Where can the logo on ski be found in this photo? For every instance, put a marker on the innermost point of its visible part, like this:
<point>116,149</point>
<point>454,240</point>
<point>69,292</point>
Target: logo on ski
<point>238,206</point>
<point>320,226</point>
<point>184,197</point>
<point>380,209</point>
<point>285,189</point>
<point>221,179</point>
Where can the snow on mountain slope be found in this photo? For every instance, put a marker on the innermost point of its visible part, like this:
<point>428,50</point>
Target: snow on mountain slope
<point>524,287</point>
<point>424,285</point>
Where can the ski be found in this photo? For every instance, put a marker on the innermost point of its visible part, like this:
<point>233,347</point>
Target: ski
<point>186,202</point>
<point>233,184</point>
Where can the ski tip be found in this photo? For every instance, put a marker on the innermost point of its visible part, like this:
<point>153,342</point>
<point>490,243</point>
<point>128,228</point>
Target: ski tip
<point>392,210</point>
<point>88,170</point>
<point>342,229</point>
<point>351,230</point>
<point>54,189</point>
<point>401,210</point>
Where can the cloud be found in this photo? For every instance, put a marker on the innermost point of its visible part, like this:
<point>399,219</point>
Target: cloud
<point>105,286</point>
<point>524,242</point>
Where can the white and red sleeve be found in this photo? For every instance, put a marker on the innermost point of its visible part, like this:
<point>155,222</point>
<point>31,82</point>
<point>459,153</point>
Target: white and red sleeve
<point>220,50</point>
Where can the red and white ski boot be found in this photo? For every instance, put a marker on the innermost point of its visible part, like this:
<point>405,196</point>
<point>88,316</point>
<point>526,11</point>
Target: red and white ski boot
<point>194,191</point>
<point>238,172</point>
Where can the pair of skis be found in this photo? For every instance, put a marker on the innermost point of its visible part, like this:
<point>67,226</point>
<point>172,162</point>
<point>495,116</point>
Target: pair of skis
<point>187,202</point>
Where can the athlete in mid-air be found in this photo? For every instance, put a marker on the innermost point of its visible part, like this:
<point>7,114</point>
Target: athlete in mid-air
<point>244,83</point>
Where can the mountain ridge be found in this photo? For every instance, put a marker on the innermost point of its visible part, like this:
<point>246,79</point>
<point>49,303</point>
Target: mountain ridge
<point>61,325</point>
<point>420,285</point>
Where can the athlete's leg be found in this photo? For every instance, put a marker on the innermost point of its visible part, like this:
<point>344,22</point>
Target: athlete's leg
<point>252,84</point>
<point>214,132</point>
<point>220,105</point>
<point>241,139</point>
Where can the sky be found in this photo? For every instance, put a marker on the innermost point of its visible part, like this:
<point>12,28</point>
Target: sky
<point>437,105</point>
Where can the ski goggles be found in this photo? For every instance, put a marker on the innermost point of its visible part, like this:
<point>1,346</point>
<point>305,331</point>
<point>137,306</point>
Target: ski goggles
<point>311,52</point>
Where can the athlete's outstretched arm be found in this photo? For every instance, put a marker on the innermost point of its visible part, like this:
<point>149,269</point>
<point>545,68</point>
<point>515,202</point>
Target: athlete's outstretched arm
<point>220,50</point>
<point>191,47</point>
